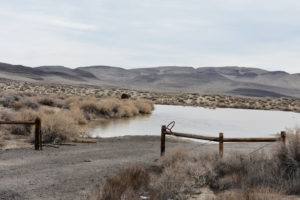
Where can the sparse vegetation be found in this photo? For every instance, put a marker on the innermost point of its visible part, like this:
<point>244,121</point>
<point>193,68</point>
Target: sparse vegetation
<point>187,99</point>
<point>179,174</point>
<point>182,175</point>
<point>62,115</point>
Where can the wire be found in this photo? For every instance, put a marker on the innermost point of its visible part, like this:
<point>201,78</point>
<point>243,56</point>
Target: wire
<point>260,148</point>
<point>171,125</point>
<point>200,145</point>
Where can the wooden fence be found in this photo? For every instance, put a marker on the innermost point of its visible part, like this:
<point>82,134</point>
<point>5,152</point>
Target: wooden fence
<point>37,133</point>
<point>220,139</point>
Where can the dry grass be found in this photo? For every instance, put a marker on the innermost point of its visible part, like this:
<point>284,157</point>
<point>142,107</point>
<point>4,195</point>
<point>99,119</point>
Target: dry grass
<point>59,127</point>
<point>183,174</point>
<point>61,116</point>
<point>252,194</point>
<point>26,103</point>
<point>22,115</point>
<point>114,108</point>
<point>52,101</point>
<point>78,115</point>
<point>144,106</point>
<point>126,185</point>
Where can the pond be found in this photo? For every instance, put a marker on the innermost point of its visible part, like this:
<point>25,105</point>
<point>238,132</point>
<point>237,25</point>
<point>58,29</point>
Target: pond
<point>202,121</point>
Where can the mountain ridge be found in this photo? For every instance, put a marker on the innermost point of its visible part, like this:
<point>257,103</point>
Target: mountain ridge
<point>231,80</point>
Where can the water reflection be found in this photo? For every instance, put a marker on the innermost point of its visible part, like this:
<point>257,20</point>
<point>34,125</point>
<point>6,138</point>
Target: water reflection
<point>106,124</point>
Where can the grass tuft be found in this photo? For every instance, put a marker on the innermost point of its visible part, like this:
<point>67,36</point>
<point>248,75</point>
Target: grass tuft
<point>126,185</point>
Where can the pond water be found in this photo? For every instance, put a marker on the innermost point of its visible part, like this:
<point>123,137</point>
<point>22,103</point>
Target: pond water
<point>202,121</point>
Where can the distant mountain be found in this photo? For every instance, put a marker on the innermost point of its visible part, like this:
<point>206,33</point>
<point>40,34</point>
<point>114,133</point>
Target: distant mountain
<point>210,80</point>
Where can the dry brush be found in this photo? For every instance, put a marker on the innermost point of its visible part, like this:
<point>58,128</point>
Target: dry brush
<point>181,174</point>
<point>63,117</point>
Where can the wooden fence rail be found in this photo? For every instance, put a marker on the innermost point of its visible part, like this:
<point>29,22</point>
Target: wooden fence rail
<point>37,133</point>
<point>219,139</point>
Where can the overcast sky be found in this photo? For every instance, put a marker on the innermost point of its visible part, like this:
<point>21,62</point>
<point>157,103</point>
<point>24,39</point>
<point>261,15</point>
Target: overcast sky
<point>148,33</point>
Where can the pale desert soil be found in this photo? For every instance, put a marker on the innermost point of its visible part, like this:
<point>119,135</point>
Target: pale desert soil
<point>71,172</point>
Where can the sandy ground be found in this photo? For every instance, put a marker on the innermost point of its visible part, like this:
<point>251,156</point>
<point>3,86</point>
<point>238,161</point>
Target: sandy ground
<point>71,172</point>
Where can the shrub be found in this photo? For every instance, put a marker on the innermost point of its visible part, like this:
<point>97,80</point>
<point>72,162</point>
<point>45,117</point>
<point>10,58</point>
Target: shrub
<point>46,101</point>
<point>7,98</point>
<point>114,108</point>
<point>23,115</point>
<point>78,115</point>
<point>251,194</point>
<point>7,115</point>
<point>289,162</point>
<point>93,109</point>
<point>239,176</point>
<point>52,101</point>
<point>144,106</point>
<point>125,185</point>
<point>171,184</point>
<point>27,102</point>
<point>59,127</point>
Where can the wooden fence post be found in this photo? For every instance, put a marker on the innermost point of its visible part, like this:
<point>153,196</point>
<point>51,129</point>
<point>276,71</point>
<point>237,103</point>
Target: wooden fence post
<point>221,147</point>
<point>38,137</point>
<point>163,140</point>
<point>283,138</point>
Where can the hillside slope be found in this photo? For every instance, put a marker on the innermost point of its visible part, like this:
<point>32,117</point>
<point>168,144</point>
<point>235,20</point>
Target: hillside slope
<point>211,80</point>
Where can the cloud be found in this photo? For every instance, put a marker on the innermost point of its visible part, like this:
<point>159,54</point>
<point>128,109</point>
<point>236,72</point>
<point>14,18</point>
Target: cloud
<point>143,33</point>
<point>48,20</point>
<point>69,24</point>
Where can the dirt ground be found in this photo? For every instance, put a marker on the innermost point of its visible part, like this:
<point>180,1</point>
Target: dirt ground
<point>71,172</point>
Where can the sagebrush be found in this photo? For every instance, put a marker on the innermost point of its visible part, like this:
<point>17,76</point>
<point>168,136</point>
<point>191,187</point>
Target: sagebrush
<point>182,174</point>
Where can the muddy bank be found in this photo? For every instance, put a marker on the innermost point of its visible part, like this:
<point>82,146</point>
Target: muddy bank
<point>70,172</point>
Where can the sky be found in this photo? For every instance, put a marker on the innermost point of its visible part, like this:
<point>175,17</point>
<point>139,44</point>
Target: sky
<point>150,33</point>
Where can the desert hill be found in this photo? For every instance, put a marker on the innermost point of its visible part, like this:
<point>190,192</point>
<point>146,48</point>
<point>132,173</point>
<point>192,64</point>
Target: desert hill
<point>211,80</point>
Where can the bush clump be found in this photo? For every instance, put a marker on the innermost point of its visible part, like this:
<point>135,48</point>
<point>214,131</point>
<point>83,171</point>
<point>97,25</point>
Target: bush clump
<point>183,174</point>
<point>59,127</point>
<point>127,184</point>
<point>22,115</point>
<point>114,108</point>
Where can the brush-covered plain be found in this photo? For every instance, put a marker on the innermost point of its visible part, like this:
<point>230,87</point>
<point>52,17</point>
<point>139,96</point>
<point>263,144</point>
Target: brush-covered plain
<point>186,99</point>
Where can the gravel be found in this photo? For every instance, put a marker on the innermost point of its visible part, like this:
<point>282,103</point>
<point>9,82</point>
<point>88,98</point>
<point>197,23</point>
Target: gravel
<point>71,172</point>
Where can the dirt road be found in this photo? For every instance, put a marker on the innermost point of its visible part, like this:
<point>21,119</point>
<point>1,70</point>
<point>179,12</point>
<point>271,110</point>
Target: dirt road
<point>70,172</point>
